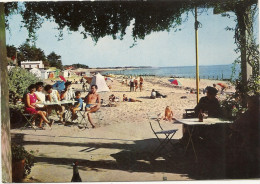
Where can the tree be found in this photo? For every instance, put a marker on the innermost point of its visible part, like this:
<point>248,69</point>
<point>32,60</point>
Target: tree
<point>54,60</point>
<point>11,51</point>
<point>30,53</point>
<point>6,155</point>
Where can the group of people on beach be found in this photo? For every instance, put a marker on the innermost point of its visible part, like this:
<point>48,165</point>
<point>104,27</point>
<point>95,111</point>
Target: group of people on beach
<point>38,94</point>
<point>133,83</point>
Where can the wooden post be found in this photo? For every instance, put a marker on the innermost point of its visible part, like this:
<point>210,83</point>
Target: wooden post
<point>5,117</point>
<point>197,54</point>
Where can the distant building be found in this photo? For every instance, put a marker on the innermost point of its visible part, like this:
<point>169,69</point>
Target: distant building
<point>32,64</point>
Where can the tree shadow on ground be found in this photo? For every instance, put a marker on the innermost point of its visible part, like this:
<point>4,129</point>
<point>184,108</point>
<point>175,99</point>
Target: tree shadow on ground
<point>137,157</point>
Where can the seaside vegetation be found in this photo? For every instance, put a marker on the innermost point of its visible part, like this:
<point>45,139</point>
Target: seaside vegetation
<point>19,80</point>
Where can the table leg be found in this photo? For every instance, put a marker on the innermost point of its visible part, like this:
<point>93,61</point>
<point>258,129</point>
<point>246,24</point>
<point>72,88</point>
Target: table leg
<point>67,112</point>
<point>192,144</point>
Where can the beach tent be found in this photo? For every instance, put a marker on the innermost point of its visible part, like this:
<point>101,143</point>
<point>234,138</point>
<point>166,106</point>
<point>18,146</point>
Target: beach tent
<point>36,72</point>
<point>99,80</point>
<point>88,79</point>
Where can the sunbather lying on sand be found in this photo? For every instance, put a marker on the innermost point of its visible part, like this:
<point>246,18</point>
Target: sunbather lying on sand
<point>125,99</point>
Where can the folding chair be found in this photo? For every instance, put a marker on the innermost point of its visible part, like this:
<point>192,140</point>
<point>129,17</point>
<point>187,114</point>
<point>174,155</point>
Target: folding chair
<point>29,119</point>
<point>168,136</point>
<point>80,115</point>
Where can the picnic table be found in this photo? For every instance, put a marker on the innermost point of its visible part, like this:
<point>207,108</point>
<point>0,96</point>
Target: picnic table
<point>66,103</point>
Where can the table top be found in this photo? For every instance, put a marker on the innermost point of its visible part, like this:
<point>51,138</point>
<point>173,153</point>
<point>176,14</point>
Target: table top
<point>59,102</point>
<point>206,121</point>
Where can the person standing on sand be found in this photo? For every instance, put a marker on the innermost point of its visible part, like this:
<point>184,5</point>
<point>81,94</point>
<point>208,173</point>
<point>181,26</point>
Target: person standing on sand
<point>92,101</point>
<point>131,84</point>
<point>136,83</point>
<point>141,83</point>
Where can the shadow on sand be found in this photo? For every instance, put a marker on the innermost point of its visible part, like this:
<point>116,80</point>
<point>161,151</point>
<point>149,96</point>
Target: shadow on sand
<point>137,157</point>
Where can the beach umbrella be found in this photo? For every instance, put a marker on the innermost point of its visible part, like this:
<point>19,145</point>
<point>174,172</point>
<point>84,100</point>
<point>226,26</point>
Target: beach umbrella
<point>170,80</point>
<point>62,78</point>
<point>222,85</point>
<point>176,82</point>
<point>59,86</point>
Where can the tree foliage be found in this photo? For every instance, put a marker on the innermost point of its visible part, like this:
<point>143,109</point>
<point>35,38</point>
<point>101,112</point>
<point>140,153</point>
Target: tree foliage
<point>18,81</point>
<point>11,51</point>
<point>80,65</point>
<point>246,14</point>
<point>99,19</point>
<point>30,53</point>
<point>54,60</point>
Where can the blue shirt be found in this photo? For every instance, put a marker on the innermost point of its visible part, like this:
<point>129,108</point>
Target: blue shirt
<point>80,102</point>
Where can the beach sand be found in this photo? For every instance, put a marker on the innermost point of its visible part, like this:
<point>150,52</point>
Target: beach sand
<point>118,148</point>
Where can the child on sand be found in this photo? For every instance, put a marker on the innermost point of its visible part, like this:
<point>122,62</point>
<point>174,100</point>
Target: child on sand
<point>77,106</point>
<point>168,115</point>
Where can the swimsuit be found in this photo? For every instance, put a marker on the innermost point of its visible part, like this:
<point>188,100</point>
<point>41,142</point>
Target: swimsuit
<point>88,105</point>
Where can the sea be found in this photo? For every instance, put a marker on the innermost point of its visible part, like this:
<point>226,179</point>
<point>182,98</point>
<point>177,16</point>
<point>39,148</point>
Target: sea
<point>223,72</point>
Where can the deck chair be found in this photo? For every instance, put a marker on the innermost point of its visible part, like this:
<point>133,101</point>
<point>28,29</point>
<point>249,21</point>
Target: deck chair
<point>167,140</point>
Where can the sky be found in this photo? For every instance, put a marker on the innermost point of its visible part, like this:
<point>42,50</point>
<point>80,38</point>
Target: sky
<point>159,49</point>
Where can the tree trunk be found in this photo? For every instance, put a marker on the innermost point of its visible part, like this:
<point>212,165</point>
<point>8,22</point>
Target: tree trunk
<point>5,118</point>
<point>245,25</point>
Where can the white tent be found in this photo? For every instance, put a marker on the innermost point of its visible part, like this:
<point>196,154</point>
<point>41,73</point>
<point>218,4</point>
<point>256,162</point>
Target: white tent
<point>36,72</point>
<point>99,80</point>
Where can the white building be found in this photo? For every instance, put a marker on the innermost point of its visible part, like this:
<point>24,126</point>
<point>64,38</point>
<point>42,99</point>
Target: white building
<point>32,64</point>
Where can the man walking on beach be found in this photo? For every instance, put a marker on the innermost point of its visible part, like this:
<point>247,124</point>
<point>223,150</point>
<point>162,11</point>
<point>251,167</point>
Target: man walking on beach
<point>131,84</point>
<point>92,101</point>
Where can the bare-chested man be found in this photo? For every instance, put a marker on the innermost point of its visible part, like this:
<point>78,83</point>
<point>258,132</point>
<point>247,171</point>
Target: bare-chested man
<point>92,101</point>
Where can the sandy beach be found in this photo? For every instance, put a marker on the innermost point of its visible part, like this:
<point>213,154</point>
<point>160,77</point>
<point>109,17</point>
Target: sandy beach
<point>122,134</point>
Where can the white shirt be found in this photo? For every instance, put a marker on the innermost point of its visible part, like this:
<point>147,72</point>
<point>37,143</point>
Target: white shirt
<point>70,95</point>
<point>153,94</point>
<point>42,97</point>
<point>54,95</point>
